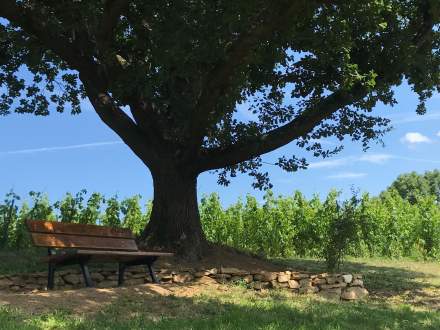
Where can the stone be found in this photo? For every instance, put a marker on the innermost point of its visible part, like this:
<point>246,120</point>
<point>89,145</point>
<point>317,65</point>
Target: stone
<point>206,280</point>
<point>236,278</point>
<point>183,278</point>
<point>332,280</point>
<point>308,290</point>
<point>233,271</point>
<point>305,282</point>
<point>258,277</point>
<point>299,276</point>
<point>17,280</point>
<point>293,284</point>
<point>112,277</point>
<point>319,281</point>
<point>354,293</point>
<point>222,278</point>
<point>269,276</point>
<point>107,272</point>
<point>97,277</point>
<point>283,278</point>
<point>139,275</point>
<point>331,294</point>
<point>347,278</point>
<point>248,279</point>
<point>5,283</point>
<point>332,286</point>
<point>357,282</point>
<point>212,271</point>
<point>260,285</point>
<point>278,285</point>
<point>72,279</point>
<point>166,278</point>
<point>15,288</point>
<point>137,270</point>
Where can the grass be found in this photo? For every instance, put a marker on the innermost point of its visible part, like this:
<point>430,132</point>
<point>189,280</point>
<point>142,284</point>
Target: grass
<point>235,309</point>
<point>398,287</point>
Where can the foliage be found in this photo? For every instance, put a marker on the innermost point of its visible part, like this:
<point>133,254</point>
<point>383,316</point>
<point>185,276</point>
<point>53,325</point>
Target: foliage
<point>413,186</point>
<point>279,227</point>
<point>399,288</point>
<point>306,69</point>
<point>133,217</point>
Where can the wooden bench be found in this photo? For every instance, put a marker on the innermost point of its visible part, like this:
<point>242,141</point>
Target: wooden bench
<point>71,243</point>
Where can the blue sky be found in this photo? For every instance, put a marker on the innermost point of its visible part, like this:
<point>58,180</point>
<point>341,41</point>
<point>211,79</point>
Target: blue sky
<point>61,153</point>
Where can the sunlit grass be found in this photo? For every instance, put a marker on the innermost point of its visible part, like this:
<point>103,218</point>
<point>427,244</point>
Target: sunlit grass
<point>398,288</point>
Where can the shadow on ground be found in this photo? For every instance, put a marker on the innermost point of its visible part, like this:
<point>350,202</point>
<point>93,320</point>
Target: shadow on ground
<point>409,281</point>
<point>159,307</point>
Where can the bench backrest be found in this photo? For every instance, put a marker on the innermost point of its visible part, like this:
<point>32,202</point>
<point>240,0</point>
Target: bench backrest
<point>53,234</point>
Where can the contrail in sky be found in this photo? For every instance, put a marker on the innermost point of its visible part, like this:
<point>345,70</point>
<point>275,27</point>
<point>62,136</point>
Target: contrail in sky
<point>61,148</point>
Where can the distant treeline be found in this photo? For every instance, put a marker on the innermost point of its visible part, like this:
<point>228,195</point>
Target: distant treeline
<point>388,225</point>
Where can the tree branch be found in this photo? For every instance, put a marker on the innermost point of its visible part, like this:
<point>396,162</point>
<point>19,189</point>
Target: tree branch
<point>29,21</point>
<point>300,126</point>
<point>112,11</point>
<point>120,123</point>
<point>275,17</point>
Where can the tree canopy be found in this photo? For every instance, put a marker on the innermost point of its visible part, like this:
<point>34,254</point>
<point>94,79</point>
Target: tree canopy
<point>413,186</point>
<point>167,76</point>
<point>308,69</point>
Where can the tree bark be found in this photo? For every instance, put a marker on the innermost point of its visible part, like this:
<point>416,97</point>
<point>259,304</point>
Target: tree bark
<point>175,220</point>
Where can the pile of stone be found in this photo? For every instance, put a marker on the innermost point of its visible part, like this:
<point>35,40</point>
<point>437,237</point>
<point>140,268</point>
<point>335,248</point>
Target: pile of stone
<point>332,286</point>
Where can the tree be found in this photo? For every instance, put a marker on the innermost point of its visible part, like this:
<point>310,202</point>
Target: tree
<point>167,77</point>
<point>413,186</point>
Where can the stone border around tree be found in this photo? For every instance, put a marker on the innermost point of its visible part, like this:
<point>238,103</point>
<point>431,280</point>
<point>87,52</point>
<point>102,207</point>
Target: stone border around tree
<point>342,286</point>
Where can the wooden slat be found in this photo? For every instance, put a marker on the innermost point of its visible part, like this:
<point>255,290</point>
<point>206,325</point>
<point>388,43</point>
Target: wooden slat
<point>122,253</point>
<point>104,256</point>
<point>77,229</point>
<point>84,242</point>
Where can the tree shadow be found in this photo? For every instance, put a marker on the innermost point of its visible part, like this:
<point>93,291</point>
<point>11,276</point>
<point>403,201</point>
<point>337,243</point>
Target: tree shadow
<point>382,281</point>
<point>149,309</point>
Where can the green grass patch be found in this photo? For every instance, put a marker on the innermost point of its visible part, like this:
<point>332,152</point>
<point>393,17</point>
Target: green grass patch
<point>398,289</point>
<point>236,309</point>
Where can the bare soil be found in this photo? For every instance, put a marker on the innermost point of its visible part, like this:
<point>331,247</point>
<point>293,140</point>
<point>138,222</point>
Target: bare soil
<point>92,300</point>
<point>218,256</point>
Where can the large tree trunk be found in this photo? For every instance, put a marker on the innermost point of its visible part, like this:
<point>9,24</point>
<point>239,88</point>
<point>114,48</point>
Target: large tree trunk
<point>175,219</point>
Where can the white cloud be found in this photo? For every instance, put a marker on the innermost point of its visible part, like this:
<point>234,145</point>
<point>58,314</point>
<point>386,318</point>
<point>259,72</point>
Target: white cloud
<point>331,163</point>
<point>413,118</point>
<point>415,138</point>
<point>376,158</point>
<point>421,160</point>
<point>347,175</point>
<point>47,149</point>
<point>438,133</point>
<point>368,158</point>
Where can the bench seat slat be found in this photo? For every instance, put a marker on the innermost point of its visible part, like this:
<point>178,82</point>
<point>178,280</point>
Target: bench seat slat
<point>123,253</point>
<point>54,227</point>
<point>104,256</point>
<point>83,242</point>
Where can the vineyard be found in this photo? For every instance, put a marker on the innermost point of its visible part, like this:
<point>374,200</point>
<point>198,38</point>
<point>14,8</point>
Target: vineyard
<point>283,226</point>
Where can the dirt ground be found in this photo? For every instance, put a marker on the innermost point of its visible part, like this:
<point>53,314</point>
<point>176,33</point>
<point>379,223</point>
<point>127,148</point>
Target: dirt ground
<point>92,300</point>
<point>218,256</point>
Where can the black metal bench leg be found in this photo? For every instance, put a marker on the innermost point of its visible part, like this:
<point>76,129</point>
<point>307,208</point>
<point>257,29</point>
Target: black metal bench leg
<point>121,272</point>
<point>51,276</point>
<point>150,269</point>
<point>86,274</point>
